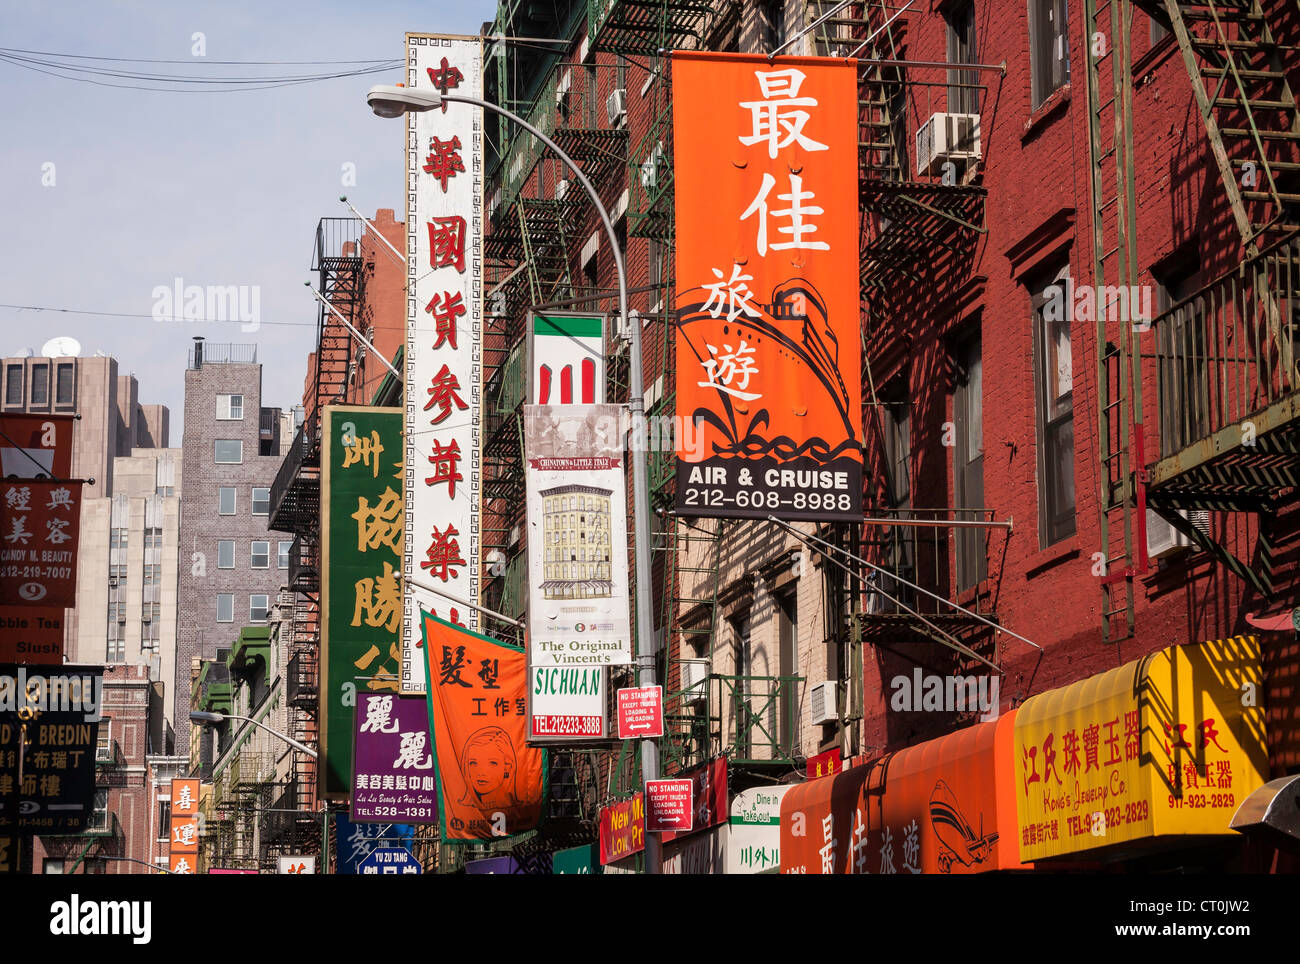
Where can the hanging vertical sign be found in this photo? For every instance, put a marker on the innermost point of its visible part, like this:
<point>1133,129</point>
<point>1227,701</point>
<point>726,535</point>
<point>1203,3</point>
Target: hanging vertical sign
<point>578,612</point>
<point>491,784</point>
<point>184,836</point>
<point>768,355</point>
<point>361,590</point>
<point>566,359</point>
<point>443,353</point>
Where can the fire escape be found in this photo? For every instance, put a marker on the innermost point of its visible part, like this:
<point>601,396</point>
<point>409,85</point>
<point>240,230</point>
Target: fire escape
<point>922,210</point>
<point>295,509</point>
<point>1221,435</point>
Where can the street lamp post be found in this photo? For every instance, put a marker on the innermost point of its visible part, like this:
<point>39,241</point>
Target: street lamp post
<point>391,101</point>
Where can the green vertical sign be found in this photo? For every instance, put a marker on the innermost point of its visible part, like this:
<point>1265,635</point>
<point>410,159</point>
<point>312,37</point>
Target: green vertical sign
<point>362,517</point>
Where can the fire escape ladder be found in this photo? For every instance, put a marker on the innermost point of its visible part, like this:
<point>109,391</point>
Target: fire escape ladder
<point>1121,466</point>
<point>1248,107</point>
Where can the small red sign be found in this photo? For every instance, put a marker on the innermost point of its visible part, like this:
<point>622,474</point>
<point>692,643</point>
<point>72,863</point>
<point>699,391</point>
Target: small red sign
<point>640,712</point>
<point>668,805</point>
<point>824,764</point>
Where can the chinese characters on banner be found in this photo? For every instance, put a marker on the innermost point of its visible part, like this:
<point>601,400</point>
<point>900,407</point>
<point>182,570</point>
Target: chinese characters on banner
<point>394,777</point>
<point>490,781</point>
<point>768,355</point>
<point>39,526</point>
<point>443,353</point>
<point>1170,744</point>
<point>362,516</point>
<point>184,836</point>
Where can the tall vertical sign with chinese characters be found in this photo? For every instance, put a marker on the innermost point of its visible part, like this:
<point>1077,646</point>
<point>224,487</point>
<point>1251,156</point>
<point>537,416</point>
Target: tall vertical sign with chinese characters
<point>184,834</point>
<point>444,324</point>
<point>361,588</point>
<point>768,356</point>
<point>491,783</point>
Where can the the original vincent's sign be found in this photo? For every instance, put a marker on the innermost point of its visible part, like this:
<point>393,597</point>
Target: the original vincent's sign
<point>444,346</point>
<point>768,354</point>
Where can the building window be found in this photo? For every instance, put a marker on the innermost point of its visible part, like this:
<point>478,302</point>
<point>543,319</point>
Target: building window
<point>117,575</point>
<point>164,820</point>
<point>228,451</point>
<point>152,574</point>
<point>104,740</point>
<point>1158,31</point>
<point>166,491</point>
<point>963,98</point>
<point>261,553</point>
<point>117,538</point>
<point>1184,390</point>
<point>261,501</point>
<point>257,608</point>
<point>40,384</point>
<point>63,385</point>
<point>283,555</point>
<point>230,408</point>
<point>226,554</point>
<point>1054,402</point>
<point>150,625</point>
<point>14,385</point>
<point>52,865</point>
<point>115,650</point>
<point>1049,51</point>
<point>225,607</point>
<point>153,538</point>
<point>99,815</point>
<point>226,500</point>
<point>968,463</point>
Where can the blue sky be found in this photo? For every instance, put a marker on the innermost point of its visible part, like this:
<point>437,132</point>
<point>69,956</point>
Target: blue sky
<point>213,188</point>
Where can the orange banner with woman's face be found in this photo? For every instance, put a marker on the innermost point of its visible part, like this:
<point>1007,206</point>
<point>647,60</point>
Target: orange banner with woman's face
<point>768,316</point>
<point>491,783</point>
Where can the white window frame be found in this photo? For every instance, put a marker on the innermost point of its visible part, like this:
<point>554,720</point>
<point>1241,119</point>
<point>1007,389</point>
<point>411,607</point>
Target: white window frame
<point>267,500</point>
<point>225,408</point>
<point>253,554</point>
<point>221,543</point>
<point>231,597</point>
<point>234,505</point>
<point>266,607</point>
<point>283,552</point>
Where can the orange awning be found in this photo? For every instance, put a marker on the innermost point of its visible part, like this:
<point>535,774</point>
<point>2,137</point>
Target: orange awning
<point>932,808</point>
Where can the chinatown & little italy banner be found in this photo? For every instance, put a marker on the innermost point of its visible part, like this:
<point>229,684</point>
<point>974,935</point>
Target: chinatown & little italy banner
<point>578,613</point>
<point>443,352</point>
<point>361,553</point>
<point>768,355</point>
<point>491,784</point>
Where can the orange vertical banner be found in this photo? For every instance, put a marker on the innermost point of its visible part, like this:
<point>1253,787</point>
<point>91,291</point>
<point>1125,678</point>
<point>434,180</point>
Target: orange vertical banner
<point>768,345</point>
<point>491,784</point>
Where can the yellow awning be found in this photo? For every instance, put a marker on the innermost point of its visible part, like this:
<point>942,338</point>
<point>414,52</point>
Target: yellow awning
<point>1166,745</point>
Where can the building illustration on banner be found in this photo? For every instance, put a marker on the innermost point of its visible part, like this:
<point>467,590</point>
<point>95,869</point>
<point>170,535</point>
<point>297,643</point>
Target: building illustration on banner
<point>575,533</point>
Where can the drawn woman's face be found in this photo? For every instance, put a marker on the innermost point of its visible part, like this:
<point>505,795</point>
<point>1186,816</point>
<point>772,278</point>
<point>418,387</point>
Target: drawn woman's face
<point>486,768</point>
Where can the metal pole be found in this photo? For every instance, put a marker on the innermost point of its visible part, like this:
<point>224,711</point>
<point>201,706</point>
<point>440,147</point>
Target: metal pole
<point>287,739</point>
<point>640,469</point>
<point>355,334</point>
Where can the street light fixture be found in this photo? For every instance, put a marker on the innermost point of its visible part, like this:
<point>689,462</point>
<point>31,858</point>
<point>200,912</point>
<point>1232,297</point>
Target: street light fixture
<point>198,716</point>
<point>388,100</point>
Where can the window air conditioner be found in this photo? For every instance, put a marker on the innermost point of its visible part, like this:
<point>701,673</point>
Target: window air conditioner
<point>561,189</point>
<point>823,703</point>
<point>947,137</point>
<point>616,107</point>
<point>650,167</point>
<point>1164,540</point>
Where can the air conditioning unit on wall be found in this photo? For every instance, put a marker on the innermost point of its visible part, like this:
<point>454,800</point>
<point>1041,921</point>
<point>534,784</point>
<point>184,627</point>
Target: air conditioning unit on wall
<point>616,107</point>
<point>947,137</point>
<point>1163,540</point>
<point>823,703</point>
